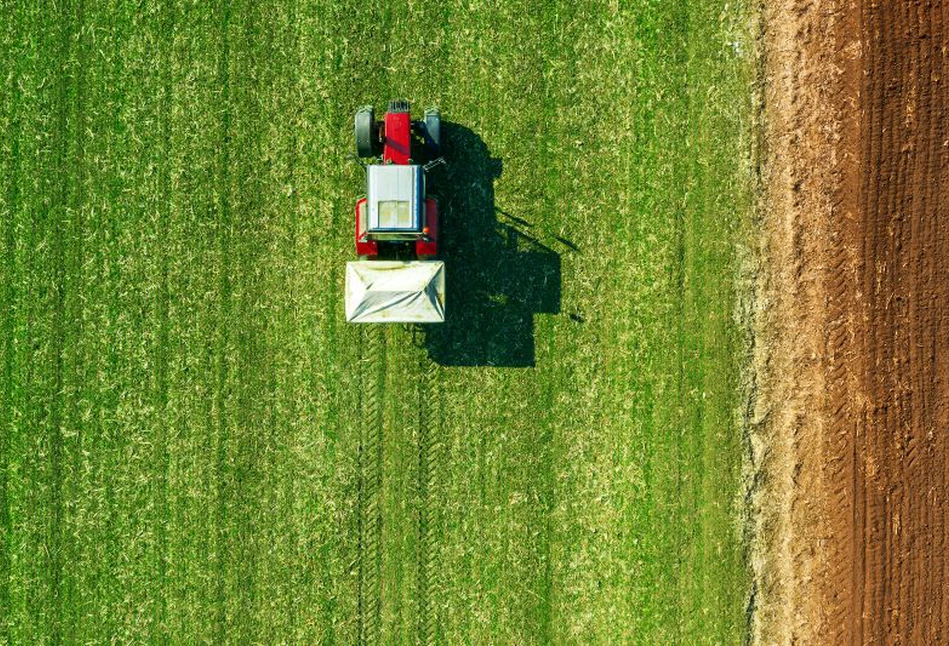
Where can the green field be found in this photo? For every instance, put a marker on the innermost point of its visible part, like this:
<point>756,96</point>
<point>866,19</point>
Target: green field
<point>195,446</point>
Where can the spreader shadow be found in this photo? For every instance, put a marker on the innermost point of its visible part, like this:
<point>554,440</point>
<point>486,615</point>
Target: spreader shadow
<point>498,276</point>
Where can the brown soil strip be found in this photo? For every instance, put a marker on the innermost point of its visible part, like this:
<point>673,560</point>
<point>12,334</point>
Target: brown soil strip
<point>854,360</point>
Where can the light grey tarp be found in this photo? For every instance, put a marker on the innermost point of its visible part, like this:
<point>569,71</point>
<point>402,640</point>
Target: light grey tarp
<point>381,291</point>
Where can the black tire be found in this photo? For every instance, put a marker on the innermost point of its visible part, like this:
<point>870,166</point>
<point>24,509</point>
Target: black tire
<point>365,127</point>
<point>433,132</point>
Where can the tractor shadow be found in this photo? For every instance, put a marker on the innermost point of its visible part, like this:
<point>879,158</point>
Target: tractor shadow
<point>498,275</point>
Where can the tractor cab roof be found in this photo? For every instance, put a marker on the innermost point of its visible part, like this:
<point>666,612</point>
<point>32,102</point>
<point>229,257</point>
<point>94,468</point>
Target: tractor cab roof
<point>395,194</point>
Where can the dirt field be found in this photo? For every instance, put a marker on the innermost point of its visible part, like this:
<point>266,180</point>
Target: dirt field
<point>854,403</point>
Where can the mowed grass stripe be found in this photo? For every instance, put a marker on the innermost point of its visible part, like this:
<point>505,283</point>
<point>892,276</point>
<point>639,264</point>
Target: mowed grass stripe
<point>143,362</point>
<point>58,214</point>
<point>571,117</point>
<point>161,459</point>
<point>336,382</point>
<point>10,126</point>
<point>717,215</point>
<point>250,360</point>
<point>278,536</point>
<point>654,250</point>
<point>98,500</point>
<point>573,153</point>
<point>222,478</point>
<point>195,280</point>
<point>494,585</point>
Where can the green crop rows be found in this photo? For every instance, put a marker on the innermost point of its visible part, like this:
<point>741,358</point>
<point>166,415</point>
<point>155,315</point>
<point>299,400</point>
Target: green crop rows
<point>195,446</point>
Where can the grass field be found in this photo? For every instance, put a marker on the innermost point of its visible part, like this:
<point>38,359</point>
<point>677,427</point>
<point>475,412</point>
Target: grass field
<point>194,445</point>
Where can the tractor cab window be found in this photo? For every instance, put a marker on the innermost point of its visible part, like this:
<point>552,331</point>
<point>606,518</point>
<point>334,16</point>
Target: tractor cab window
<point>395,214</point>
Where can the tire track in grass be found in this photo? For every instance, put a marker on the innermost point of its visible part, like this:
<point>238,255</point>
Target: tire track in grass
<point>358,76</point>
<point>372,396</point>
<point>397,500</point>
<point>429,427</point>
<point>251,362</point>
<point>58,212</point>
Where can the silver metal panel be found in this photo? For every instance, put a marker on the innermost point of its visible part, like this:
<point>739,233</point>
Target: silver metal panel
<point>394,184</point>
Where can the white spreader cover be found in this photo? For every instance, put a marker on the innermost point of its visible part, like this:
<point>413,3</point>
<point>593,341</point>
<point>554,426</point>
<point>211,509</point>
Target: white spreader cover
<point>382,291</point>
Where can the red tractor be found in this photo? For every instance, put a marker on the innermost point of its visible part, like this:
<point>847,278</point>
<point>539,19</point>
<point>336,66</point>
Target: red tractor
<point>396,279</point>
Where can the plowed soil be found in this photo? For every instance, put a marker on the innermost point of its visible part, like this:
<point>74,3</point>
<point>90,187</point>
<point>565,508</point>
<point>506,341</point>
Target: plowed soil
<point>855,374</point>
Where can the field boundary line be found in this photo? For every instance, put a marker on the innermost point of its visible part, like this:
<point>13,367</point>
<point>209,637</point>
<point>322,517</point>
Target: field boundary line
<point>788,421</point>
<point>751,320</point>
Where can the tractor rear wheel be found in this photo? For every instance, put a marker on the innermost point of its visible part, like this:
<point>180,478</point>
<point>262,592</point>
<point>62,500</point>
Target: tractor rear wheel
<point>365,126</point>
<point>433,132</point>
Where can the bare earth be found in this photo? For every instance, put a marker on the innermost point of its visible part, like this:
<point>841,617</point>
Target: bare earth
<point>852,410</point>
